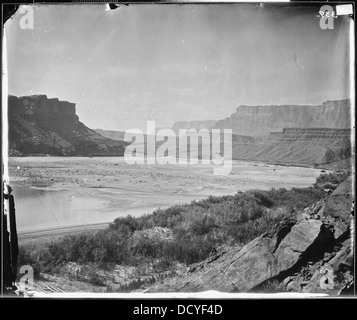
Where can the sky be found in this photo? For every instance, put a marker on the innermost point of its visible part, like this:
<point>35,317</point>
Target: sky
<point>176,62</point>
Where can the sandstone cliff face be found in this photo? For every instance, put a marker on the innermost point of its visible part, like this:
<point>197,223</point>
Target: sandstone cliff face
<point>310,253</point>
<point>261,120</point>
<point>333,114</point>
<point>51,114</point>
<point>38,125</point>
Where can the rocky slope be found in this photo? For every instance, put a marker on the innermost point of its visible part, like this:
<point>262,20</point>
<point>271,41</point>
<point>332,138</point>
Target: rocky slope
<point>300,146</point>
<point>111,134</point>
<point>261,120</point>
<point>310,253</point>
<point>39,125</point>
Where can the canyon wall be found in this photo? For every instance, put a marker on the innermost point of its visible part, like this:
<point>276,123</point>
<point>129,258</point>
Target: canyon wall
<point>39,125</point>
<point>261,120</point>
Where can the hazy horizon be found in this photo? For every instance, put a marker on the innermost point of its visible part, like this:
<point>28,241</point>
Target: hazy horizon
<point>172,63</point>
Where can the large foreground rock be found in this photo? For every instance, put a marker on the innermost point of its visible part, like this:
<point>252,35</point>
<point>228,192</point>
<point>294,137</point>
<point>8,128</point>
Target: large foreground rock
<point>337,210</point>
<point>261,259</point>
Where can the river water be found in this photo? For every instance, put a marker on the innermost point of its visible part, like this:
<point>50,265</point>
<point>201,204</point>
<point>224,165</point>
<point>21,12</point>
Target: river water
<point>58,192</point>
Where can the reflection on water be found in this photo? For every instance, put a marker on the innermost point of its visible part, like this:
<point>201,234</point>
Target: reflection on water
<point>38,208</point>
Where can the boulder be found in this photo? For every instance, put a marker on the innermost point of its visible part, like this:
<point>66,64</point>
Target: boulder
<point>331,277</point>
<point>337,209</point>
<point>261,259</point>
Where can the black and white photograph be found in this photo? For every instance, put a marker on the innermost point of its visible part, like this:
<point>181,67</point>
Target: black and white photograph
<point>168,149</point>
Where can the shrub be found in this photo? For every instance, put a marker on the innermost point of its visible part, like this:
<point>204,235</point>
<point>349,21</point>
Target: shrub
<point>130,222</point>
<point>197,229</point>
<point>143,244</point>
<point>330,180</point>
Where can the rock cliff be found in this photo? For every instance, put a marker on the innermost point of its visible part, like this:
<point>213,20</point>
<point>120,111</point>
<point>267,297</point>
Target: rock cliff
<point>39,125</point>
<point>261,120</point>
<point>333,114</point>
<point>309,253</point>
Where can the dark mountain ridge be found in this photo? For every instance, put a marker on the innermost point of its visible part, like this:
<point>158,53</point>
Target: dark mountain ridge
<point>39,125</point>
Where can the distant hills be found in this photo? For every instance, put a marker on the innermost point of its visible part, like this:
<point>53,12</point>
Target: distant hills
<point>288,134</point>
<point>42,126</point>
<point>261,120</point>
